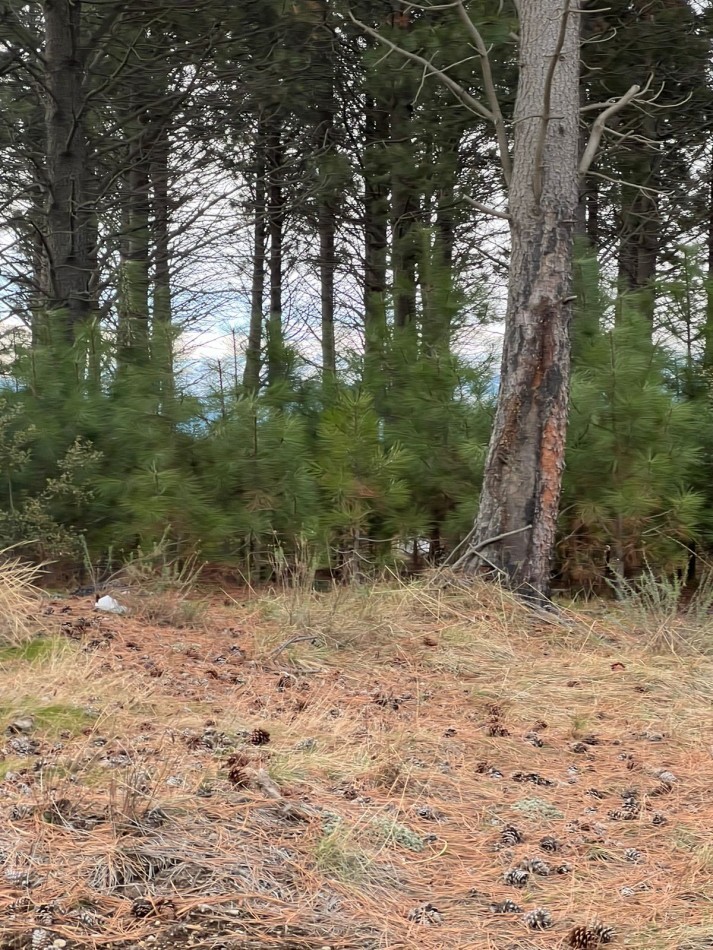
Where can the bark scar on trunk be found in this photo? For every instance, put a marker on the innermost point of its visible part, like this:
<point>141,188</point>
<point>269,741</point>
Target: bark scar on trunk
<point>510,429</point>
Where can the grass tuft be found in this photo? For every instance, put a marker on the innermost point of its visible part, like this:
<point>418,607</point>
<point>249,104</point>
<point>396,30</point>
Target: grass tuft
<point>19,599</point>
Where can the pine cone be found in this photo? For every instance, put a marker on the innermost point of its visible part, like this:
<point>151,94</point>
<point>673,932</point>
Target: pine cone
<point>533,777</point>
<point>21,906</point>
<point>534,739</point>
<point>633,855</point>
<point>425,914</point>
<point>516,877</point>
<point>581,938</point>
<point>510,835</point>
<point>237,777</point>
<point>259,737</point>
<point>590,937</point>
<point>604,933</point>
<point>41,939</point>
<point>549,844</point>
<point>505,907</point>
<point>496,729</point>
<point>536,866</point>
<point>45,914</point>
<point>142,908</point>
<point>538,919</point>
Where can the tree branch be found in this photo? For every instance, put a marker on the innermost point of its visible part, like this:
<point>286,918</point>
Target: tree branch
<point>469,101</point>
<point>477,548</point>
<point>490,90</point>
<point>600,123</point>
<point>486,210</point>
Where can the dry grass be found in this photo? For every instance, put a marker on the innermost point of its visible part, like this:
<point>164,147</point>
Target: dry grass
<point>19,598</point>
<point>407,727</point>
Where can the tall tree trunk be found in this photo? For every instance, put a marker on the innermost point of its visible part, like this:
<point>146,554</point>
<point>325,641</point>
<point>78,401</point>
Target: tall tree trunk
<point>327,230</point>
<point>640,226</point>
<point>325,107</point>
<point>139,251</point>
<point>435,266</point>
<point>708,326</point>
<point>523,472</point>
<point>405,198</point>
<point>276,221</point>
<point>68,217</point>
<point>251,375</point>
<point>162,315</point>
<point>376,218</point>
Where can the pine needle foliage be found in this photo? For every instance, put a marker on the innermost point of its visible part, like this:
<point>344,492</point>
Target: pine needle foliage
<point>440,411</point>
<point>362,482</point>
<point>633,459</point>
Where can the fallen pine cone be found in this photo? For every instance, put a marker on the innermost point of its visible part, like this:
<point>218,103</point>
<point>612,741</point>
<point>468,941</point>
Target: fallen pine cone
<point>259,737</point>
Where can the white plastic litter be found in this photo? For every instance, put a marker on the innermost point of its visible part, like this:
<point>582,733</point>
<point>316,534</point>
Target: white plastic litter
<point>109,605</point>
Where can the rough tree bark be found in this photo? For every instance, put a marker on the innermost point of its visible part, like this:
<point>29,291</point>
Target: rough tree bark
<point>708,324</point>
<point>514,532</point>
<point>322,73</point>
<point>68,215</point>
<point>136,272</point>
<point>275,227</point>
<point>405,209</point>
<point>523,472</point>
<point>376,216</point>
<point>162,315</point>
<point>251,376</point>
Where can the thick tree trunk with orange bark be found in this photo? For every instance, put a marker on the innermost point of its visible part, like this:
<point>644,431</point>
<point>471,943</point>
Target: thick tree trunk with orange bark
<point>521,490</point>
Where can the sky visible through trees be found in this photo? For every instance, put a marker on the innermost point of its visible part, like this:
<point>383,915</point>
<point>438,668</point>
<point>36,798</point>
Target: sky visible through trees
<point>254,293</point>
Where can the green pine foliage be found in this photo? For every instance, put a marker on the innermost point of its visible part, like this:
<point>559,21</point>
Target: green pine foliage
<point>362,482</point>
<point>254,464</point>
<point>440,412</point>
<point>373,470</point>
<point>631,495</point>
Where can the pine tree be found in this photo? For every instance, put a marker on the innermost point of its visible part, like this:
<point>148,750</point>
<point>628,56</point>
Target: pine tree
<point>633,458</point>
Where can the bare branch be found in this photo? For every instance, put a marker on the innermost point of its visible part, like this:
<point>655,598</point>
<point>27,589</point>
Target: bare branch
<point>477,548</point>
<point>600,123</point>
<point>289,643</point>
<point>486,210</point>
<point>490,90</point>
<point>646,190</point>
<point>465,97</point>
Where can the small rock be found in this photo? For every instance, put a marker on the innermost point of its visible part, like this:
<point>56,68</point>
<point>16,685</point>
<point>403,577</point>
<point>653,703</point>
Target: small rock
<point>23,724</point>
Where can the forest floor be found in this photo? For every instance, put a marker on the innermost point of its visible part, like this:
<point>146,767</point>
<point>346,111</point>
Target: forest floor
<point>184,776</point>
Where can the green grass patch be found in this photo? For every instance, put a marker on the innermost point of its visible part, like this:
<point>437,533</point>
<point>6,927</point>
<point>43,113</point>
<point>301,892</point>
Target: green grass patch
<point>336,856</point>
<point>51,719</point>
<point>34,651</point>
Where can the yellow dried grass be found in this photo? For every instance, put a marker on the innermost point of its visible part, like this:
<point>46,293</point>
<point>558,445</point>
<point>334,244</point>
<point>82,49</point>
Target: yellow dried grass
<point>387,715</point>
<point>19,598</point>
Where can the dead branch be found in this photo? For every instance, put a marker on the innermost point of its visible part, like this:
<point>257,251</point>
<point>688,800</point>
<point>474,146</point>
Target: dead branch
<point>493,212</point>
<point>289,643</point>
<point>465,97</point>
<point>599,126</point>
<point>477,548</point>
<point>490,90</point>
